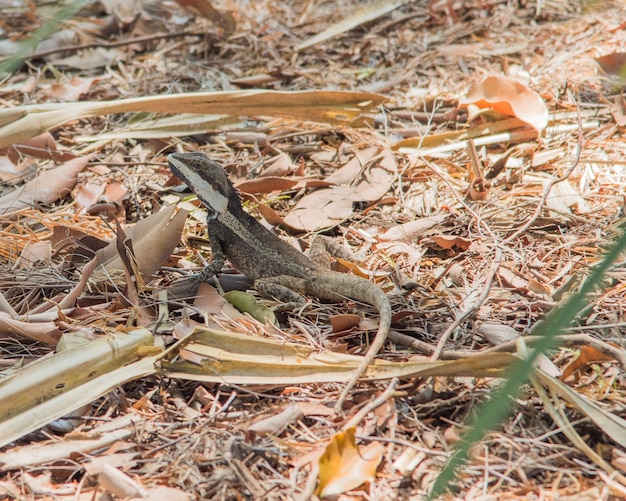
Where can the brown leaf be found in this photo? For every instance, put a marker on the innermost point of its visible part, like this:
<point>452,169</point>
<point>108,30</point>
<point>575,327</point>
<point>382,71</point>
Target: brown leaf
<point>344,322</point>
<point>276,424</point>
<point>46,188</point>
<point>72,90</point>
<point>44,332</point>
<point>343,466</point>
<point>87,194</point>
<point>34,252</point>
<point>509,97</point>
<point>42,146</point>
<point>15,174</point>
<point>450,242</point>
<point>267,184</point>
<point>281,165</point>
<point>587,356</point>
<point>365,178</point>
<point>208,300</point>
<point>153,239</point>
<point>115,192</point>
<point>613,66</point>
<point>205,8</point>
<point>513,278</point>
<point>406,232</point>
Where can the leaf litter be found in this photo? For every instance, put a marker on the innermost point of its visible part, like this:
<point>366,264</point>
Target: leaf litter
<point>461,212</point>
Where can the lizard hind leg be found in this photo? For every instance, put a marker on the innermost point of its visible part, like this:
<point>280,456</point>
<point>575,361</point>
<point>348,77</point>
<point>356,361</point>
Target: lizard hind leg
<point>283,288</point>
<point>322,247</point>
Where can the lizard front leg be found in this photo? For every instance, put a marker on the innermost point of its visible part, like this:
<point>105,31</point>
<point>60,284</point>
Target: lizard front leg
<point>216,265</point>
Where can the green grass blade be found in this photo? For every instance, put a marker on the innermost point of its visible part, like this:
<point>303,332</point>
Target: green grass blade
<point>494,411</point>
<point>27,46</point>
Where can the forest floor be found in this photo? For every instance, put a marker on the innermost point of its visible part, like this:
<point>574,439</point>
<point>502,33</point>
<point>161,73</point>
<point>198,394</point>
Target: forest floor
<point>470,155</point>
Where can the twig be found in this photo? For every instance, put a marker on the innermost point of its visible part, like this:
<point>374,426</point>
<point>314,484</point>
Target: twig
<point>469,311</point>
<point>551,184</point>
<point>375,404</point>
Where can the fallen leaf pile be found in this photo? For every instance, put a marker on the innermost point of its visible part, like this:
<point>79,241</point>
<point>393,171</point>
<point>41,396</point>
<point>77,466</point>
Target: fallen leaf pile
<point>466,156</point>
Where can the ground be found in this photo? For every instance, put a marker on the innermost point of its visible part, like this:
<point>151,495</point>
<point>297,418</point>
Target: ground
<point>468,154</point>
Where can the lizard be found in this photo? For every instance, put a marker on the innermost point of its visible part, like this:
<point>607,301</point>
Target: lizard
<point>278,269</point>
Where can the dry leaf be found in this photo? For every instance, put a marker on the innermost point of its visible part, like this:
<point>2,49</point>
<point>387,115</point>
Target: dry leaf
<point>587,356</point>
<point>344,467</point>
<point>450,242</point>
<point>613,66</point>
<point>509,97</point>
<point>34,252</point>
<point>44,332</point>
<point>497,334</point>
<point>42,146</point>
<point>280,165</point>
<point>267,185</point>
<point>11,173</point>
<point>362,179</point>
<point>208,300</point>
<point>46,188</point>
<point>71,90</point>
<point>154,239</point>
<point>408,231</point>
<point>344,322</point>
<point>87,194</point>
<point>205,8</point>
<point>115,192</point>
<point>119,484</point>
<point>276,424</point>
<point>335,107</point>
<point>365,14</point>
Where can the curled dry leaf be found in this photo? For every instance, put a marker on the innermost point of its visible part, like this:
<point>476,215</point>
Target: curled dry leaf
<point>153,238</point>
<point>44,332</point>
<point>276,424</point>
<point>408,231</point>
<point>509,97</point>
<point>334,107</point>
<point>588,355</point>
<point>343,466</point>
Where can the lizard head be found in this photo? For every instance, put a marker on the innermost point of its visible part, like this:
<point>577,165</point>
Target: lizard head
<point>205,177</point>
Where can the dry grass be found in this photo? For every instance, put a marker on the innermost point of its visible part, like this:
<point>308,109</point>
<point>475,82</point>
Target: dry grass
<point>545,218</point>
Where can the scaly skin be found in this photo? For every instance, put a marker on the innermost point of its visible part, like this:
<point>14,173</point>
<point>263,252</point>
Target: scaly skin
<point>278,269</point>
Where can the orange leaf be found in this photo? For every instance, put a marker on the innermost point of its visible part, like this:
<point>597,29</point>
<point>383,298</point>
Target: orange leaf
<point>510,97</point>
<point>343,466</point>
<point>450,241</point>
<point>587,356</point>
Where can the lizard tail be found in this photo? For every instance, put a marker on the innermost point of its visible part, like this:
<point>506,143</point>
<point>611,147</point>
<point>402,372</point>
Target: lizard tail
<point>374,296</point>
